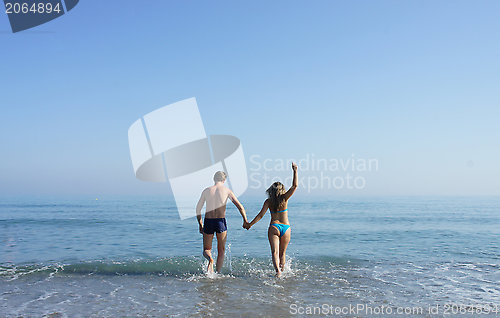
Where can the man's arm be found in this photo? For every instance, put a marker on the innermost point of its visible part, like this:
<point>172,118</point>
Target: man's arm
<point>238,205</point>
<point>295,182</point>
<point>259,216</point>
<point>199,206</point>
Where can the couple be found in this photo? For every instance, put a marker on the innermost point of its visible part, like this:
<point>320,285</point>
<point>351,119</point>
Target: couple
<point>216,197</point>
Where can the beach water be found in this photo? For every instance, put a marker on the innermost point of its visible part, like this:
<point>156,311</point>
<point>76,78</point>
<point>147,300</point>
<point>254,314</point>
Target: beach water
<point>128,257</point>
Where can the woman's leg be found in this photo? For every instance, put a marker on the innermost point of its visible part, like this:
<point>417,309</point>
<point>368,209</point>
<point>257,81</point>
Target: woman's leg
<point>284,240</point>
<point>274,241</point>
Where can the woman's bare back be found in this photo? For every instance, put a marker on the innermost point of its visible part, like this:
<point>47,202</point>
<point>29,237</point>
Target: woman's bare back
<point>282,216</point>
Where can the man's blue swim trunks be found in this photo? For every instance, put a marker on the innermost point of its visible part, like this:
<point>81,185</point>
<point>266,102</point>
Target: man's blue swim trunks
<point>214,225</point>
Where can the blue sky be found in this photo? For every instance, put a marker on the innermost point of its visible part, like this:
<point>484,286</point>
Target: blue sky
<point>414,84</point>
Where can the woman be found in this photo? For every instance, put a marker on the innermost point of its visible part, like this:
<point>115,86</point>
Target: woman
<point>279,231</point>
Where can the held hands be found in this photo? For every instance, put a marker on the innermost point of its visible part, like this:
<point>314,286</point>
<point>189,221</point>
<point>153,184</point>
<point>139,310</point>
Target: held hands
<point>294,166</point>
<point>246,225</point>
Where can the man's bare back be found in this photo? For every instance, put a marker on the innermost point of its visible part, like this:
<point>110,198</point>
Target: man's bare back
<point>215,201</point>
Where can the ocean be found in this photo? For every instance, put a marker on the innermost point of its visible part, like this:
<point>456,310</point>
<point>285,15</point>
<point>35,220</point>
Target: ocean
<point>348,257</point>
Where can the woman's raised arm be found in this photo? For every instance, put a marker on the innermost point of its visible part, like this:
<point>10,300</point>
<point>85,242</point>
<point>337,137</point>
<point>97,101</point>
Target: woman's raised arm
<point>295,183</point>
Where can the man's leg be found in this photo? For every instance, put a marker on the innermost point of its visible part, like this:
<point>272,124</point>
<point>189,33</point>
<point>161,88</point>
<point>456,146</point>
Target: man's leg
<point>207,250</point>
<point>221,250</point>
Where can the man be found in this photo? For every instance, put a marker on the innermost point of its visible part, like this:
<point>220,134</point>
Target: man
<point>215,198</point>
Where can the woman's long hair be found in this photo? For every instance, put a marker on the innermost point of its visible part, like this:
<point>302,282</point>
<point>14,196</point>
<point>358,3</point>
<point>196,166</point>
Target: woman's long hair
<point>275,194</point>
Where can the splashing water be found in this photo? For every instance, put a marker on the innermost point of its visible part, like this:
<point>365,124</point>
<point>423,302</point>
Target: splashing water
<point>229,258</point>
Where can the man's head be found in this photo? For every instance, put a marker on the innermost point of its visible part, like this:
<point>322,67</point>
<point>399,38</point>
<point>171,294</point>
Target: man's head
<point>220,176</point>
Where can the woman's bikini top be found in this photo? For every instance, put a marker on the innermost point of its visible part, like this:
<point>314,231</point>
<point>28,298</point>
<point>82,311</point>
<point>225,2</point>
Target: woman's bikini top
<point>280,211</point>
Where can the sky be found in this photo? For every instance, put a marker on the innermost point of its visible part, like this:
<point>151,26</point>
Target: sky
<point>411,84</point>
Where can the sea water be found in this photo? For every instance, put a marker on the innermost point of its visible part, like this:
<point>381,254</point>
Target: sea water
<point>133,256</point>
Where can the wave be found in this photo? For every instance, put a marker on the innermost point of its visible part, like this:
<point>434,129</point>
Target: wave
<point>170,267</point>
<point>175,266</point>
